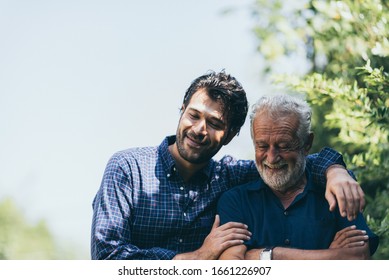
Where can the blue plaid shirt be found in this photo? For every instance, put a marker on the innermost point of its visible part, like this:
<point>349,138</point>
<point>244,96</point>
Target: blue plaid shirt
<point>144,210</point>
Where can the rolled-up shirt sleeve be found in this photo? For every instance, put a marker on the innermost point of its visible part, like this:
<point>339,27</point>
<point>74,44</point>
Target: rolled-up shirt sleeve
<point>318,164</point>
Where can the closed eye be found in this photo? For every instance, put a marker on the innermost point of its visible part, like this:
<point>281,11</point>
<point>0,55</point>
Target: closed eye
<point>216,126</point>
<point>193,116</point>
<point>261,147</point>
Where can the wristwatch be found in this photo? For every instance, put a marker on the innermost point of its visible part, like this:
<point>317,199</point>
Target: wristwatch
<point>266,254</point>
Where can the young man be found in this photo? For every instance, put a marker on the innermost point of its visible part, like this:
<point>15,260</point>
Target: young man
<point>160,202</point>
<point>285,210</point>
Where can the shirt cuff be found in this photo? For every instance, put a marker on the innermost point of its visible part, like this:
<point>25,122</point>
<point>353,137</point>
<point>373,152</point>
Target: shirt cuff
<point>325,159</point>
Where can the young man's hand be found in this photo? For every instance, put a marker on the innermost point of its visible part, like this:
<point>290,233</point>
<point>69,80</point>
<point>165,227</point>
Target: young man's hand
<point>343,190</point>
<point>219,239</point>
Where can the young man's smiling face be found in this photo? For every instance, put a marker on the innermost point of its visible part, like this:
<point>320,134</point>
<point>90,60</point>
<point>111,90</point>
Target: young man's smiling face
<point>202,129</point>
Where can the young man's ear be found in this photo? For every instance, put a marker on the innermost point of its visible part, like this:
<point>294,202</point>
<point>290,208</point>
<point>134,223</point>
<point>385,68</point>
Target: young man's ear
<point>181,113</point>
<point>182,109</point>
<point>308,143</point>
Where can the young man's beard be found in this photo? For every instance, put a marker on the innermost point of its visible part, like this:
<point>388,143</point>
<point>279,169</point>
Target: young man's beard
<point>203,155</point>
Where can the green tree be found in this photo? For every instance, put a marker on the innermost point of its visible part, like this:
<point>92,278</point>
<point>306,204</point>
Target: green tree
<point>347,83</point>
<point>21,240</point>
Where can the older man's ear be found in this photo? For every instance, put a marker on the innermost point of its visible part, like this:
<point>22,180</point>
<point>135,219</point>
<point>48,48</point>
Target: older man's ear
<point>308,143</point>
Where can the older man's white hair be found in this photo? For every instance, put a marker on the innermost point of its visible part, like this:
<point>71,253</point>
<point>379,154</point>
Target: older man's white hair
<point>279,106</point>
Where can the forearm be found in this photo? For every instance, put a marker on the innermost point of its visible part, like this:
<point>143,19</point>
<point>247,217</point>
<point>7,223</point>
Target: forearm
<point>280,253</point>
<point>109,242</point>
<point>112,241</point>
<point>130,252</point>
<point>328,169</point>
<point>234,253</point>
<point>195,255</point>
<point>321,162</point>
<point>252,254</point>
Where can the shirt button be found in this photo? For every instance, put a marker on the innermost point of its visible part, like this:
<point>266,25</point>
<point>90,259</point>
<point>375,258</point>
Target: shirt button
<point>180,240</point>
<point>182,188</point>
<point>184,214</point>
<point>287,241</point>
<point>168,175</point>
<point>286,213</point>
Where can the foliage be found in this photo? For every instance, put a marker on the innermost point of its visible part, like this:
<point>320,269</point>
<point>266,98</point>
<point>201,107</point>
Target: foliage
<point>378,219</point>
<point>20,240</point>
<point>347,83</point>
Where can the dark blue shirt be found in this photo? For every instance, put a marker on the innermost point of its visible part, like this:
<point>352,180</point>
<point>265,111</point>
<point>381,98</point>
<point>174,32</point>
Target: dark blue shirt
<point>306,224</point>
<point>144,209</point>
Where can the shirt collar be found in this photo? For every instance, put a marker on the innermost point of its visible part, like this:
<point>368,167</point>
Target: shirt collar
<point>169,163</point>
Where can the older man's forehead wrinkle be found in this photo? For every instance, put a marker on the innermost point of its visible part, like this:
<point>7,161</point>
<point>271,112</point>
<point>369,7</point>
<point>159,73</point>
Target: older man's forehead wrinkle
<point>274,130</point>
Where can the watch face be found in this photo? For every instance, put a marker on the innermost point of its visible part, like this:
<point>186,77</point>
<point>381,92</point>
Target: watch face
<point>266,255</point>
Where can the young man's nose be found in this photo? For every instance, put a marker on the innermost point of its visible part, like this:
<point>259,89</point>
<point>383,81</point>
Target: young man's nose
<point>200,127</point>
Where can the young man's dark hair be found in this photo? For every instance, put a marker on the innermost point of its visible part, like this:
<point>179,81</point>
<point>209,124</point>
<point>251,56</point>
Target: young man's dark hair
<point>226,89</point>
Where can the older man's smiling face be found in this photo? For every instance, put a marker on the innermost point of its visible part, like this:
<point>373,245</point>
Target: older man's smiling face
<point>279,157</point>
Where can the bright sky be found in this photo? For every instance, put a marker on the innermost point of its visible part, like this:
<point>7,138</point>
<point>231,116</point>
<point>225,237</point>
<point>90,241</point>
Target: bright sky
<point>82,79</point>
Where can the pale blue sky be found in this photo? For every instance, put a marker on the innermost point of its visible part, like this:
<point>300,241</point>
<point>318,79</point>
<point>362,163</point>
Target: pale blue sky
<point>82,79</point>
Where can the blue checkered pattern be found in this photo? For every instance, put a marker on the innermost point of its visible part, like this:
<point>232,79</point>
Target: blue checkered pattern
<point>144,210</point>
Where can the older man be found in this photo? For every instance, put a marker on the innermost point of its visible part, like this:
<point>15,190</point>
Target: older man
<point>285,210</point>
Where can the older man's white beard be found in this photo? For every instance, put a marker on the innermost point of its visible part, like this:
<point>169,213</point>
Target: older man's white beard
<point>285,179</point>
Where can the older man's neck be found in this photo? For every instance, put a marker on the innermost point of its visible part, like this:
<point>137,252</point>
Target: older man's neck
<point>287,197</point>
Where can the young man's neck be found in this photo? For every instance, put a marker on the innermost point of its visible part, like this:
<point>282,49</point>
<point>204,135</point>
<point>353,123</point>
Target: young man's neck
<point>185,168</point>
